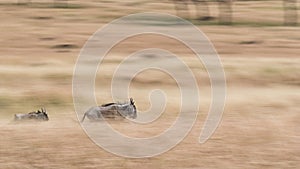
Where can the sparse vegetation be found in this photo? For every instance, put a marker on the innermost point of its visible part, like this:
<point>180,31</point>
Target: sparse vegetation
<point>40,43</point>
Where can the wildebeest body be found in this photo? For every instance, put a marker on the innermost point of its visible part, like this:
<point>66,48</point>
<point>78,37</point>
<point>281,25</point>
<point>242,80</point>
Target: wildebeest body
<point>111,110</point>
<point>38,115</point>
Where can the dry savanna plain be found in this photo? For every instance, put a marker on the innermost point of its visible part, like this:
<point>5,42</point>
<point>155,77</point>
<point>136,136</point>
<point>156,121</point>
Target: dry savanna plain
<point>41,41</point>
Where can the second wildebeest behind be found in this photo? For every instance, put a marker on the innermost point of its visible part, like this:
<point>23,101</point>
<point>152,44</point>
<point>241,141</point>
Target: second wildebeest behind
<point>39,115</point>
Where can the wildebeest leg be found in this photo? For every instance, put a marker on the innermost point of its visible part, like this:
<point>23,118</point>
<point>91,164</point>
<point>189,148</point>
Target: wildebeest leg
<point>99,115</point>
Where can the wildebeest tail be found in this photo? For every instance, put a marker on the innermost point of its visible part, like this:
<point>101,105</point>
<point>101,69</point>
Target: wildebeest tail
<point>83,117</point>
<point>16,117</point>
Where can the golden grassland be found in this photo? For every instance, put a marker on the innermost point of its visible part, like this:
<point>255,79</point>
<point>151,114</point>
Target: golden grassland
<point>41,42</point>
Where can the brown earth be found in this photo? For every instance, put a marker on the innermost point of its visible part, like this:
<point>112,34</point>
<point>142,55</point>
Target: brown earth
<point>39,47</point>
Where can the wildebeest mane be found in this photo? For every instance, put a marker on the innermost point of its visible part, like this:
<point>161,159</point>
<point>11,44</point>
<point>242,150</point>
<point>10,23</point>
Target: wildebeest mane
<point>107,104</point>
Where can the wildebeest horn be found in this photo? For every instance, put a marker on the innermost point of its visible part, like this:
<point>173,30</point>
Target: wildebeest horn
<point>131,101</point>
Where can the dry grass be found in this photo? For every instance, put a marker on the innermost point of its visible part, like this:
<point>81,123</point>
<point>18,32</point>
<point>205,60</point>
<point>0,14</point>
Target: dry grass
<point>39,47</point>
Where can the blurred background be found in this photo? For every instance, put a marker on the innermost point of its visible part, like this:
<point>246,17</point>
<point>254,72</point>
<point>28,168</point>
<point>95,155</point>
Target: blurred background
<point>258,44</point>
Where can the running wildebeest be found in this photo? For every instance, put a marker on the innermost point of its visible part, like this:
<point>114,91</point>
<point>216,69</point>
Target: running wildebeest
<point>111,110</point>
<point>37,115</point>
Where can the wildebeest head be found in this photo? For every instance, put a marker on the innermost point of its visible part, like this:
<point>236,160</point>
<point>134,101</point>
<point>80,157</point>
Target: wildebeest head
<point>128,109</point>
<point>39,115</point>
<point>133,113</point>
<point>42,115</point>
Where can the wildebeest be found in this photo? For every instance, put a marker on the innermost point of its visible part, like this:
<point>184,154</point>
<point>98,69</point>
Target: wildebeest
<point>111,110</point>
<point>39,115</point>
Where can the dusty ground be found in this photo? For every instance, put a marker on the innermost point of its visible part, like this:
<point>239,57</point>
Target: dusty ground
<point>39,47</point>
